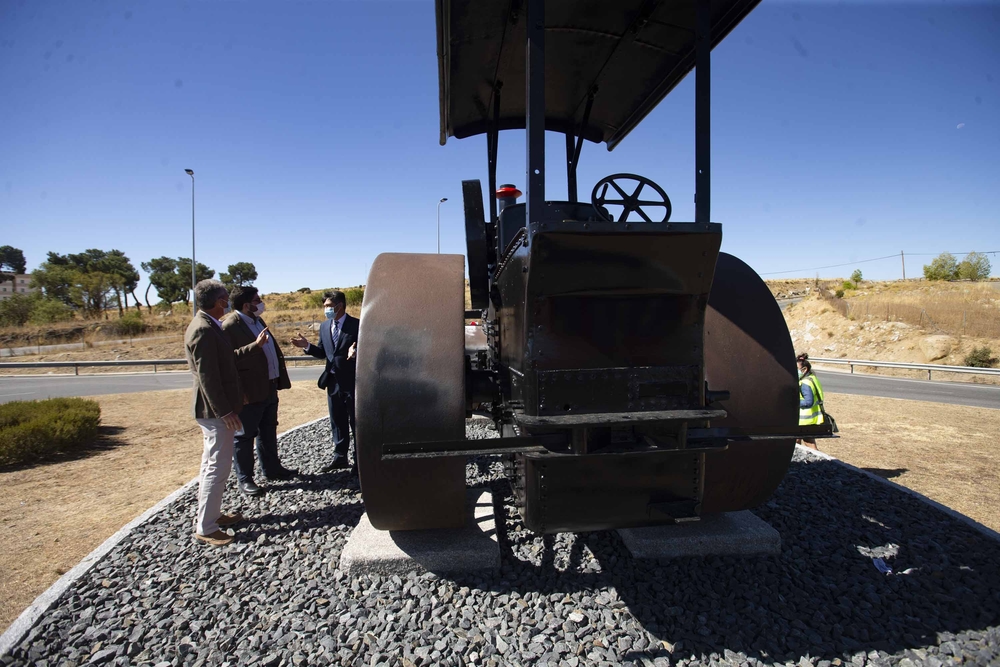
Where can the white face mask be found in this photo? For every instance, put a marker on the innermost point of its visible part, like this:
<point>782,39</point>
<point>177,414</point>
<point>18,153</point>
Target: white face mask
<point>259,309</point>
<point>330,312</point>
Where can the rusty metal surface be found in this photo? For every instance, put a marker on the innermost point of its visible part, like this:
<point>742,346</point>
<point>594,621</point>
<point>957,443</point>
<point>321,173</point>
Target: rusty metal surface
<point>411,388</point>
<point>748,351</point>
<point>582,493</point>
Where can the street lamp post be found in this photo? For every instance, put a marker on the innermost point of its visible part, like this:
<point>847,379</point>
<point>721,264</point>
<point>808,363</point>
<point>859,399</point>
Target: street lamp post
<point>443,200</point>
<point>190,172</point>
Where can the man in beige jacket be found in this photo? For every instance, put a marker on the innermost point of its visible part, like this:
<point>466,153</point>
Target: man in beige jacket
<point>217,404</point>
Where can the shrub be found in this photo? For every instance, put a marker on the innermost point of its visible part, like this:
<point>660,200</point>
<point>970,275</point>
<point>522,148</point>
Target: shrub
<point>16,309</point>
<point>314,300</point>
<point>847,284</point>
<point>942,267</point>
<point>48,311</point>
<point>355,295</point>
<point>840,294</point>
<point>975,266</point>
<point>303,290</point>
<point>981,357</point>
<point>130,324</point>
<point>35,430</point>
<point>856,277</point>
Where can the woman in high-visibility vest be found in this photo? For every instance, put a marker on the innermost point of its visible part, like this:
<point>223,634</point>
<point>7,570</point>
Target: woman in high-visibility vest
<point>810,398</point>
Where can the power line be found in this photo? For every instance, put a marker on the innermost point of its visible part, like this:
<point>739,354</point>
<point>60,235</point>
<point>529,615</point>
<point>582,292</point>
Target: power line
<point>935,254</point>
<point>832,266</point>
<point>876,259</point>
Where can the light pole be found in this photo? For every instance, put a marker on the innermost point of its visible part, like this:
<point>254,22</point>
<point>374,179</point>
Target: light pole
<point>443,200</point>
<point>190,172</point>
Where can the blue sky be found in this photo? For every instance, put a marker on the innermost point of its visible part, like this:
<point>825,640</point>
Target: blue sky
<point>841,132</point>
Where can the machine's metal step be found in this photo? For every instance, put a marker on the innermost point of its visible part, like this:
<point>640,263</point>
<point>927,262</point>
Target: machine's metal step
<point>613,418</point>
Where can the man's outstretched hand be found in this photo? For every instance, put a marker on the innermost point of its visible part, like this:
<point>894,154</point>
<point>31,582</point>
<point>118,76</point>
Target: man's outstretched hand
<point>352,352</point>
<point>300,341</point>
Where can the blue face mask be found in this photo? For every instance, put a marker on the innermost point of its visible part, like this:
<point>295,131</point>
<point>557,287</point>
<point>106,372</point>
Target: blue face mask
<point>329,313</point>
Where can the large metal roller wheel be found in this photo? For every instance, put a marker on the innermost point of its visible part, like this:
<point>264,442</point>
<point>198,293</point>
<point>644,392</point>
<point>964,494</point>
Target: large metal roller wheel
<point>749,352</point>
<point>411,388</point>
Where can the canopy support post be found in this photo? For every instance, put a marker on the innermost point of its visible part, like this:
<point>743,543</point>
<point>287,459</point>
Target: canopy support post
<point>573,153</point>
<point>570,167</point>
<point>492,141</point>
<point>534,121</point>
<point>703,112</point>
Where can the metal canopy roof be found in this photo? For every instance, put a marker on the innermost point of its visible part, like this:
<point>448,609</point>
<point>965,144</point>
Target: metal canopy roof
<point>632,51</point>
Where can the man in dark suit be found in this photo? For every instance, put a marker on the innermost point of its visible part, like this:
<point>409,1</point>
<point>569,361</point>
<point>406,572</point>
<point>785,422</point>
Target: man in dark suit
<point>218,400</point>
<point>262,374</point>
<point>338,337</point>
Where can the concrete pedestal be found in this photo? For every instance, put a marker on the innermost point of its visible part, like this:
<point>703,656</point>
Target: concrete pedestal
<point>730,534</point>
<point>473,547</point>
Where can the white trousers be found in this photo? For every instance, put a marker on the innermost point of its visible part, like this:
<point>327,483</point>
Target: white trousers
<point>216,462</point>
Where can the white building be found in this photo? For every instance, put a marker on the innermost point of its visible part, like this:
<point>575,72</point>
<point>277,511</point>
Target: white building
<point>20,285</point>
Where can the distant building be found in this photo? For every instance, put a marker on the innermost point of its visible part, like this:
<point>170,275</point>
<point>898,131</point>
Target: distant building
<point>20,285</point>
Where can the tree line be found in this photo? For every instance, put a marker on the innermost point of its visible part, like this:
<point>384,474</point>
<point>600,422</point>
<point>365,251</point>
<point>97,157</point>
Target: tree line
<point>94,281</point>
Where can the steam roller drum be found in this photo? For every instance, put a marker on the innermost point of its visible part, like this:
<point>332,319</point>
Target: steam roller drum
<point>749,352</point>
<point>411,388</point>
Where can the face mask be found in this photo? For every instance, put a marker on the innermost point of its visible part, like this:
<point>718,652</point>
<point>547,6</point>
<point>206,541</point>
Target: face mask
<point>329,313</point>
<point>226,310</point>
<point>259,309</point>
<point>801,373</point>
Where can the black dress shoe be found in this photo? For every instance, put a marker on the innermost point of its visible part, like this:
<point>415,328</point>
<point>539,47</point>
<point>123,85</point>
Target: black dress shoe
<point>251,489</point>
<point>339,463</point>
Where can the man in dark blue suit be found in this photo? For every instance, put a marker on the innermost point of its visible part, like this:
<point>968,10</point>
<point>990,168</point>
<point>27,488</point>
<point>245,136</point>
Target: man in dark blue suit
<point>338,338</point>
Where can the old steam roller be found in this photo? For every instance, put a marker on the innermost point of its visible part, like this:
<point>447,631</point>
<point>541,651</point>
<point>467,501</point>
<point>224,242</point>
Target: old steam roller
<point>637,375</point>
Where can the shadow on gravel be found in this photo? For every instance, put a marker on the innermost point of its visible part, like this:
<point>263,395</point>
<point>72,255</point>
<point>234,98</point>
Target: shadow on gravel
<point>273,525</point>
<point>822,597</point>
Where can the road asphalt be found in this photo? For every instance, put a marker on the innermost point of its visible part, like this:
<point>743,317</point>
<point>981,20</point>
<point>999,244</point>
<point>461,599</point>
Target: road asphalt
<point>29,387</point>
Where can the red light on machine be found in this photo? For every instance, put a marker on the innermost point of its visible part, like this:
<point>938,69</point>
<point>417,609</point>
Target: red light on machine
<point>508,190</point>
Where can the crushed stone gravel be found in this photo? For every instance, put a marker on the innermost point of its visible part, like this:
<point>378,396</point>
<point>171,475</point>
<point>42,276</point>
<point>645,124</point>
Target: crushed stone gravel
<point>276,597</point>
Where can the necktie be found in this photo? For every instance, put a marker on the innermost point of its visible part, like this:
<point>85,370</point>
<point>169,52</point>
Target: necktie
<point>336,333</point>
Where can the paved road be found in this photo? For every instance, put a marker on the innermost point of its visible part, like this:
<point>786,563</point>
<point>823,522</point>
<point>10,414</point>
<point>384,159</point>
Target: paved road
<point>957,393</point>
<point>783,303</point>
<point>26,388</point>
<point>45,386</point>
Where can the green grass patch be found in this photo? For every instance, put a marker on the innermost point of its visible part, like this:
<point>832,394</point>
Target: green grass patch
<point>31,431</point>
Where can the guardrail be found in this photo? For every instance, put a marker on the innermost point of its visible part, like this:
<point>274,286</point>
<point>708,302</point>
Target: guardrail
<point>941,368</point>
<point>76,365</point>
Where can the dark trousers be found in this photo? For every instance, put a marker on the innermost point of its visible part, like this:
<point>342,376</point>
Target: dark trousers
<point>260,423</point>
<point>341,416</point>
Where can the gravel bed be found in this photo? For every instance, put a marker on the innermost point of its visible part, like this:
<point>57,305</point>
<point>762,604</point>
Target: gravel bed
<point>276,597</point>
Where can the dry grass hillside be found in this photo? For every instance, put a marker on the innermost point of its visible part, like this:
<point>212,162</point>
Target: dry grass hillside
<point>912,321</point>
<point>286,315</point>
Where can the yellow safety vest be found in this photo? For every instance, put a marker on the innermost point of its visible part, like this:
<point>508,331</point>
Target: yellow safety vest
<point>814,413</point>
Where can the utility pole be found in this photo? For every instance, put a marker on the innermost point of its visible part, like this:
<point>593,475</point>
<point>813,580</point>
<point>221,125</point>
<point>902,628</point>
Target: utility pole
<point>903,260</point>
<point>443,200</point>
<point>190,173</point>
